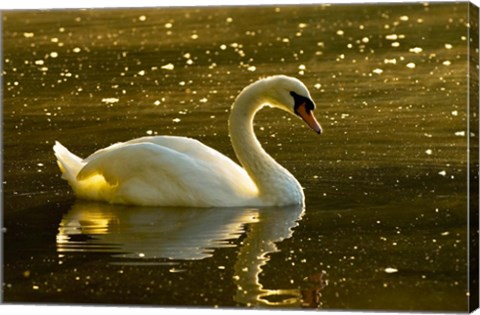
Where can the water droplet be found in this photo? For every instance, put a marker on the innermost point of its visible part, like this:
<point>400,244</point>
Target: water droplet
<point>168,66</point>
<point>110,100</point>
<point>416,50</point>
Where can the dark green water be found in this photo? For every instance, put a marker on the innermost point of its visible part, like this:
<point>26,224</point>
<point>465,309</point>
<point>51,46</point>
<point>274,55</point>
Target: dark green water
<point>385,221</point>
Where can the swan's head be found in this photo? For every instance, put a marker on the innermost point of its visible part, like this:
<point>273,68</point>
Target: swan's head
<point>291,95</point>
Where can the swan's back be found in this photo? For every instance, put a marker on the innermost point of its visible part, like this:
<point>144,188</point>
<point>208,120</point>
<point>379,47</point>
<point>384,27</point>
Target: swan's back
<point>165,170</point>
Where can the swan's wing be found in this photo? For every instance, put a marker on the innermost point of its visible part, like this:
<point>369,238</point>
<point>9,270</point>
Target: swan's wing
<point>122,161</point>
<point>191,147</point>
<point>149,173</point>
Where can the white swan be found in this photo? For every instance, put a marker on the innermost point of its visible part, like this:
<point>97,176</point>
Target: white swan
<point>179,171</point>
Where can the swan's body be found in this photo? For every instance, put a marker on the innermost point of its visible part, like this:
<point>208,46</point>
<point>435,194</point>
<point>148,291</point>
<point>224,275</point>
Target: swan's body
<point>164,170</point>
<point>179,171</point>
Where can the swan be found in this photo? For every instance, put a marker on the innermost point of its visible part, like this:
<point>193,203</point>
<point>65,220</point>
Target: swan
<point>180,171</point>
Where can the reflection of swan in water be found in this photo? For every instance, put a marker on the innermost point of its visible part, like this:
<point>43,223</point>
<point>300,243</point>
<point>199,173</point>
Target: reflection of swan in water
<point>150,232</point>
<point>178,171</point>
<point>274,225</point>
<point>145,235</point>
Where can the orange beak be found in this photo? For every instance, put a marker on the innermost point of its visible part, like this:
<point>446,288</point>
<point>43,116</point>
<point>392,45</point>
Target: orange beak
<point>308,117</point>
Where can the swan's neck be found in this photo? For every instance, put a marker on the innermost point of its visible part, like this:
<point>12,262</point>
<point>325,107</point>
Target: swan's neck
<point>275,184</point>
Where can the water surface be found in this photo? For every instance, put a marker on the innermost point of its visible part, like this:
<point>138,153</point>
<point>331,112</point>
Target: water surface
<point>385,220</point>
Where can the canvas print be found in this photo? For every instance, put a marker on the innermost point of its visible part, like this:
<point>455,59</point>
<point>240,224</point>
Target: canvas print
<point>320,156</point>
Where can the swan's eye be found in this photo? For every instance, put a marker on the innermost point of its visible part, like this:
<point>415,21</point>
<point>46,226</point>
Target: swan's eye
<point>302,100</point>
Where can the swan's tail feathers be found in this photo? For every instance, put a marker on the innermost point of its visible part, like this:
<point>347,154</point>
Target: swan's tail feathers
<point>69,163</point>
<point>93,188</point>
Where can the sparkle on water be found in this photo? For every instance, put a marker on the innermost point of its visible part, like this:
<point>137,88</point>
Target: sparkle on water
<point>384,225</point>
